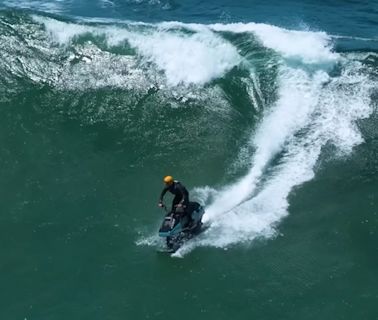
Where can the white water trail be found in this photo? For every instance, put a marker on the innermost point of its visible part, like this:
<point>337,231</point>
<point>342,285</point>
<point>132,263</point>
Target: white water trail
<point>294,106</point>
<point>313,109</point>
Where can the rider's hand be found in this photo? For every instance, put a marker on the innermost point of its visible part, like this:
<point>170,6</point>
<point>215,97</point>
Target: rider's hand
<point>160,205</point>
<point>179,205</point>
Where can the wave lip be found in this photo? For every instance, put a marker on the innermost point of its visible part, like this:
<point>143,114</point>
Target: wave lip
<point>194,53</point>
<point>308,46</point>
<point>195,59</point>
<point>185,59</point>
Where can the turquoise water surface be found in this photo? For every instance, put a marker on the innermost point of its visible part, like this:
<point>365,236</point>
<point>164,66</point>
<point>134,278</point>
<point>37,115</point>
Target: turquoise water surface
<point>266,111</point>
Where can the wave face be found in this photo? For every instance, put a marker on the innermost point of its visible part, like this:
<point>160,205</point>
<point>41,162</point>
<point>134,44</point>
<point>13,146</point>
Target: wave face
<point>283,96</point>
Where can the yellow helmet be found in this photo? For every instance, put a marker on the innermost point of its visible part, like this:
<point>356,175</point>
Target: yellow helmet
<point>168,179</point>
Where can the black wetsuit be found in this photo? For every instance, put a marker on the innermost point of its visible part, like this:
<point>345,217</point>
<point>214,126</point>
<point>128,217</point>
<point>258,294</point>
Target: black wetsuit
<point>180,192</point>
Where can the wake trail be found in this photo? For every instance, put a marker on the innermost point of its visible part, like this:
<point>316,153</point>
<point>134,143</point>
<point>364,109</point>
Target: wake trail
<point>310,112</point>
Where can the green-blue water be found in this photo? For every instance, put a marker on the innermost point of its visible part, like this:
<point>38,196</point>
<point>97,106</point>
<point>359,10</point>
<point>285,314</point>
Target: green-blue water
<point>267,112</point>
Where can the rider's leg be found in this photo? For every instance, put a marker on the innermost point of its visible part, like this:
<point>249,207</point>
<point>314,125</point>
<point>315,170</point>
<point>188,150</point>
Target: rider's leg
<point>188,213</point>
<point>175,202</point>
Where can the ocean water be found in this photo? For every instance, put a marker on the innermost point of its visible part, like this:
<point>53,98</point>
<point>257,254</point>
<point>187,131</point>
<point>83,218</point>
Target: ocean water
<point>265,110</point>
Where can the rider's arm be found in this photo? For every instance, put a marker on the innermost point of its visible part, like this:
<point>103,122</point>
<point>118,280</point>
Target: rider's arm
<point>162,194</point>
<point>184,193</point>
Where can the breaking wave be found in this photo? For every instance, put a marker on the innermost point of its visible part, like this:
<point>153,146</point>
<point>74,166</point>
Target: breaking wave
<point>304,96</point>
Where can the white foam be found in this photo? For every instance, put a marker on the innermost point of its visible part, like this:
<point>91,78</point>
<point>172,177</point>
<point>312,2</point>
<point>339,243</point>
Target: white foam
<point>310,47</point>
<point>295,104</point>
<point>62,32</point>
<point>344,101</point>
<point>170,49</point>
<point>189,59</point>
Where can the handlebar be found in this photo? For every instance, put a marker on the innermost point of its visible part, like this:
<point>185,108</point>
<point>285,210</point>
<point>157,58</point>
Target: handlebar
<point>162,205</point>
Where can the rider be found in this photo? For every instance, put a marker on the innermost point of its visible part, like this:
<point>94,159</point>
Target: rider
<point>181,199</point>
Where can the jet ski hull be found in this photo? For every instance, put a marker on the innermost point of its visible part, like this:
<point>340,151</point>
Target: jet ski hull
<point>175,228</point>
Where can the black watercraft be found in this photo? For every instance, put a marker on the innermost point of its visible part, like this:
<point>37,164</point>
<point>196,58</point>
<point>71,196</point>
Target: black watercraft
<point>177,227</point>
